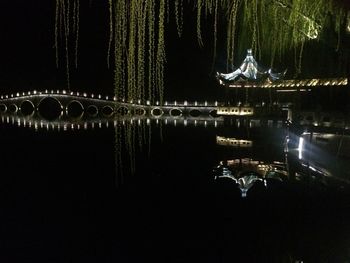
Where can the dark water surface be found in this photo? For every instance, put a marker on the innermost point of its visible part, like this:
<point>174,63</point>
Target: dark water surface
<point>61,200</point>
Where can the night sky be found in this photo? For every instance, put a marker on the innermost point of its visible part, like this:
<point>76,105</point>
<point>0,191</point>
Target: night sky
<point>28,56</point>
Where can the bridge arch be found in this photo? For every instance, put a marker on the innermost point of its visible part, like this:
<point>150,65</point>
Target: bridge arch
<point>75,109</point>
<point>50,108</point>
<point>175,112</point>
<point>195,113</point>
<point>122,110</point>
<point>92,111</point>
<point>27,108</point>
<point>140,111</point>
<point>3,108</point>
<point>157,112</point>
<point>107,111</point>
<point>13,108</point>
<point>213,113</point>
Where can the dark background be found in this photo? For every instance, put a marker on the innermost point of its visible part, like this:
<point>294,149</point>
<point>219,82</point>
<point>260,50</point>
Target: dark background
<point>28,56</point>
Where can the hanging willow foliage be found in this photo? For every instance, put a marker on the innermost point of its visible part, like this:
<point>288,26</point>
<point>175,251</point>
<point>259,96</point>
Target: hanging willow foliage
<point>67,30</point>
<point>137,29</point>
<point>271,27</point>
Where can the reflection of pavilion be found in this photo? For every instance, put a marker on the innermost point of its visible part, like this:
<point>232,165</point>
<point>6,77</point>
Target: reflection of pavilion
<point>246,172</point>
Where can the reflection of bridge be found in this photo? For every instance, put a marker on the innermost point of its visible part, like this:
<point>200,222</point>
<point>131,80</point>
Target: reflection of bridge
<point>77,104</point>
<point>65,124</point>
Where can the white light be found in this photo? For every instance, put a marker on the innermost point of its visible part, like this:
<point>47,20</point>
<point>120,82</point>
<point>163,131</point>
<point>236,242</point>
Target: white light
<point>205,103</point>
<point>78,94</point>
<point>185,103</point>
<point>139,101</point>
<point>99,96</point>
<point>85,94</point>
<point>185,122</point>
<point>34,92</point>
<point>166,103</point>
<point>92,95</point>
<point>216,103</point>
<point>301,147</point>
<point>106,97</point>
<point>71,93</point>
<point>114,98</point>
<point>175,123</point>
<point>148,102</point>
<point>175,103</point>
<point>195,103</point>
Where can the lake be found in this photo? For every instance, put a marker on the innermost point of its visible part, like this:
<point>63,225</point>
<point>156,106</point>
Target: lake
<point>68,194</point>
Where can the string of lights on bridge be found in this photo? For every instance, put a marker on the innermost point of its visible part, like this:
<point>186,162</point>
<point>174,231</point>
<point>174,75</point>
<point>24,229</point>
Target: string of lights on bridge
<point>101,97</point>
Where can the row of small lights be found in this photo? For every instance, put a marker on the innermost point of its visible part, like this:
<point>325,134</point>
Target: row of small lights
<point>72,126</point>
<point>57,92</point>
<point>85,95</point>
<point>296,83</point>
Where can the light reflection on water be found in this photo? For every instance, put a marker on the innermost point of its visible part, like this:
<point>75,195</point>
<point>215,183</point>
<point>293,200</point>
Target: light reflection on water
<point>182,161</point>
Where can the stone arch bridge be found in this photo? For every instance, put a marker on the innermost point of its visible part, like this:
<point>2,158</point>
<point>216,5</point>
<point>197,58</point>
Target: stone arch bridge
<point>77,104</point>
